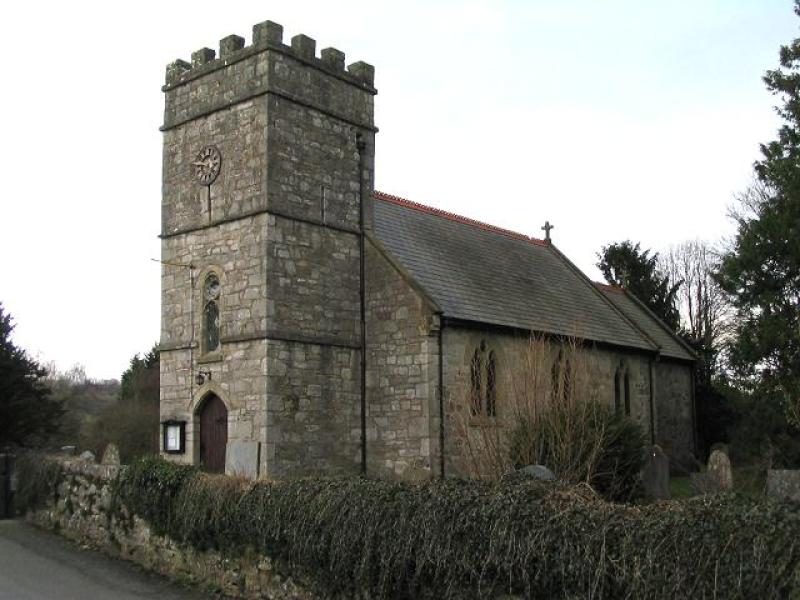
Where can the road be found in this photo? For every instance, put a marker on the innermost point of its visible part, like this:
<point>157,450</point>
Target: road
<point>38,565</point>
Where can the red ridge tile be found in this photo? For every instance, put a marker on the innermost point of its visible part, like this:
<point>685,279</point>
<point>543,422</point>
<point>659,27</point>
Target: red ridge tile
<point>456,218</point>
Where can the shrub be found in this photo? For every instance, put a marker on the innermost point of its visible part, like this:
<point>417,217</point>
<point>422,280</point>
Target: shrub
<point>550,414</point>
<point>457,539</point>
<point>37,481</point>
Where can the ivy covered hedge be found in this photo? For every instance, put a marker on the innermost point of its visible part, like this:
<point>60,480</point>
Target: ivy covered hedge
<point>459,539</point>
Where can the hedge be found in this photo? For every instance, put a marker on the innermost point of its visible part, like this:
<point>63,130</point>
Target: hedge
<point>459,539</point>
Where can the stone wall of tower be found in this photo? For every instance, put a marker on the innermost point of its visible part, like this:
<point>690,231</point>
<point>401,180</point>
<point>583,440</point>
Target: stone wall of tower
<point>280,225</point>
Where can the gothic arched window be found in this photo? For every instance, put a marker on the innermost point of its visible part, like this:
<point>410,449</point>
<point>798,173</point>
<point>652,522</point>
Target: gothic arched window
<point>491,385</point>
<point>627,394</point>
<point>211,289</point>
<point>483,382</point>
<point>476,382</point>
<point>562,375</point>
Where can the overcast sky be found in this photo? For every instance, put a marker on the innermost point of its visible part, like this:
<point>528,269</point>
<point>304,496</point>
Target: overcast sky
<point>618,119</point>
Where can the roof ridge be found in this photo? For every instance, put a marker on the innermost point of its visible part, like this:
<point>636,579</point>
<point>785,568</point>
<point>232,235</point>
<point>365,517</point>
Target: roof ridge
<point>456,218</point>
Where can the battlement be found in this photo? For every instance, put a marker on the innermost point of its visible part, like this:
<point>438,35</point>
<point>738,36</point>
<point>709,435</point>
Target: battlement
<point>268,36</point>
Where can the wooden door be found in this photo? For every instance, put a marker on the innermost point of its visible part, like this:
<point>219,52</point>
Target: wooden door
<point>213,435</point>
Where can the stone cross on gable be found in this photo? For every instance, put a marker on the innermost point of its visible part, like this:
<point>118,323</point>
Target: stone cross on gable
<point>546,228</point>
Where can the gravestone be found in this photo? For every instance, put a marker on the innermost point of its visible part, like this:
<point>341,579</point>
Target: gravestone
<point>241,458</point>
<point>719,466</point>
<point>87,456</point>
<point>110,455</point>
<point>655,474</point>
<point>783,484</point>
<point>67,450</point>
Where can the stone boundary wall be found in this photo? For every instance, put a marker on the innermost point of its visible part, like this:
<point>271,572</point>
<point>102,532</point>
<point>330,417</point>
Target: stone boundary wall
<point>84,510</point>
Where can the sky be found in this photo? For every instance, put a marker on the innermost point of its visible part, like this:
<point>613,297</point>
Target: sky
<point>614,120</point>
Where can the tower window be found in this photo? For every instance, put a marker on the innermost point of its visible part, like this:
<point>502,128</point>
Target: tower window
<point>211,291</point>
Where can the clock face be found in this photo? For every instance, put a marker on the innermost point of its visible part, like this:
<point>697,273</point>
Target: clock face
<point>207,164</point>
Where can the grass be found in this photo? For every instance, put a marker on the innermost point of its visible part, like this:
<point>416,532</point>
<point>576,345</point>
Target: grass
<point>748,480</point>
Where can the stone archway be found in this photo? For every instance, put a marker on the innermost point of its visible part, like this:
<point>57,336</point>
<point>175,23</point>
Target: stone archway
<point>213,418</point>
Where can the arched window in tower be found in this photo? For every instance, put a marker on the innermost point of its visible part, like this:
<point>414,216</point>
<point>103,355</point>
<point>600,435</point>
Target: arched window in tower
<point>476,382</point>
<point>210,337</point>
<point>491,386</point>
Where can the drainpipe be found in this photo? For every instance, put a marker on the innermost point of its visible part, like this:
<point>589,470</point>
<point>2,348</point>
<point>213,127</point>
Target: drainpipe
<point>441,396</point>
<point>362,146</point>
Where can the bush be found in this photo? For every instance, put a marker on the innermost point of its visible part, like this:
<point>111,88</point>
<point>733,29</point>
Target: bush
<point>550,414</point>
<point>37,481</point>
<point>458,539</point>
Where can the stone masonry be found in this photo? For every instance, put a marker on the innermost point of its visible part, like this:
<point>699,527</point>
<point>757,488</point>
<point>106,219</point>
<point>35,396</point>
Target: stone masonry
<point>279,227</point>
<point>286,228</point>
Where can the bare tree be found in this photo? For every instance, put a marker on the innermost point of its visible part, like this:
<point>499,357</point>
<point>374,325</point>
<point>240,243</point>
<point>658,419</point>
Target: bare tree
<point>705,310</point>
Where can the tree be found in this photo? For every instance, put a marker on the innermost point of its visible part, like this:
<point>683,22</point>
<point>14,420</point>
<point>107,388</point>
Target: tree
<point>761,269</point>
<point>132,421</point>
<point>705,319</point>
<point>28,413</point>
<point>625,264</point>
<point>704,309</point>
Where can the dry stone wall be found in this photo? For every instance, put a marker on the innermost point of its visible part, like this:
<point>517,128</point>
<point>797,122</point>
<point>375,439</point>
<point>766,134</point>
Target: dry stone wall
<point>84,510</point>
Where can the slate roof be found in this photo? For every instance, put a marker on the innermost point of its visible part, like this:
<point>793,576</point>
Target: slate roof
<point>477,272</point>
<point>652,326</point>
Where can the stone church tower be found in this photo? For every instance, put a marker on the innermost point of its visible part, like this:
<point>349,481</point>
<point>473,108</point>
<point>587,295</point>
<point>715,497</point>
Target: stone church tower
<point>267,176</point>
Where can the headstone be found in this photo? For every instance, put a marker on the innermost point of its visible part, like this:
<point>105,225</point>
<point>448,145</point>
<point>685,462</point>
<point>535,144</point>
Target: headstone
<point>241,458</point>
<point>719,466</point>
<point>67,450</point>
<point>655,474</point>
<point>87,456</point>
<point>110,455</point>
<point>783,484</point>
<point>538,472</point>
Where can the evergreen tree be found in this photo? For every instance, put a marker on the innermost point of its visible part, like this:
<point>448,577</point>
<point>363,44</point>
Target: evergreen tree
<point>625,264</point>
<point>761,271</point>
<point>28,413</point>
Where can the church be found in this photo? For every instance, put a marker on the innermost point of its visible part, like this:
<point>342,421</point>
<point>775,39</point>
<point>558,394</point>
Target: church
<point>311,325</point>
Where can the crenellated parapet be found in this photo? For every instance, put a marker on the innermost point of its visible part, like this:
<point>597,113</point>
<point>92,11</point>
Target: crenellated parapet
<point>268,36</point>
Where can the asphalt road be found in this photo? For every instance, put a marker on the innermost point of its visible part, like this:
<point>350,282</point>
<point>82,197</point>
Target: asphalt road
<point>38,565</point>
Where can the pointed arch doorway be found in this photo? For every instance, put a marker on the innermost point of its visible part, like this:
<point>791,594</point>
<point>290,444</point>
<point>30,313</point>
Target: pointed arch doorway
<point>213,419</point>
